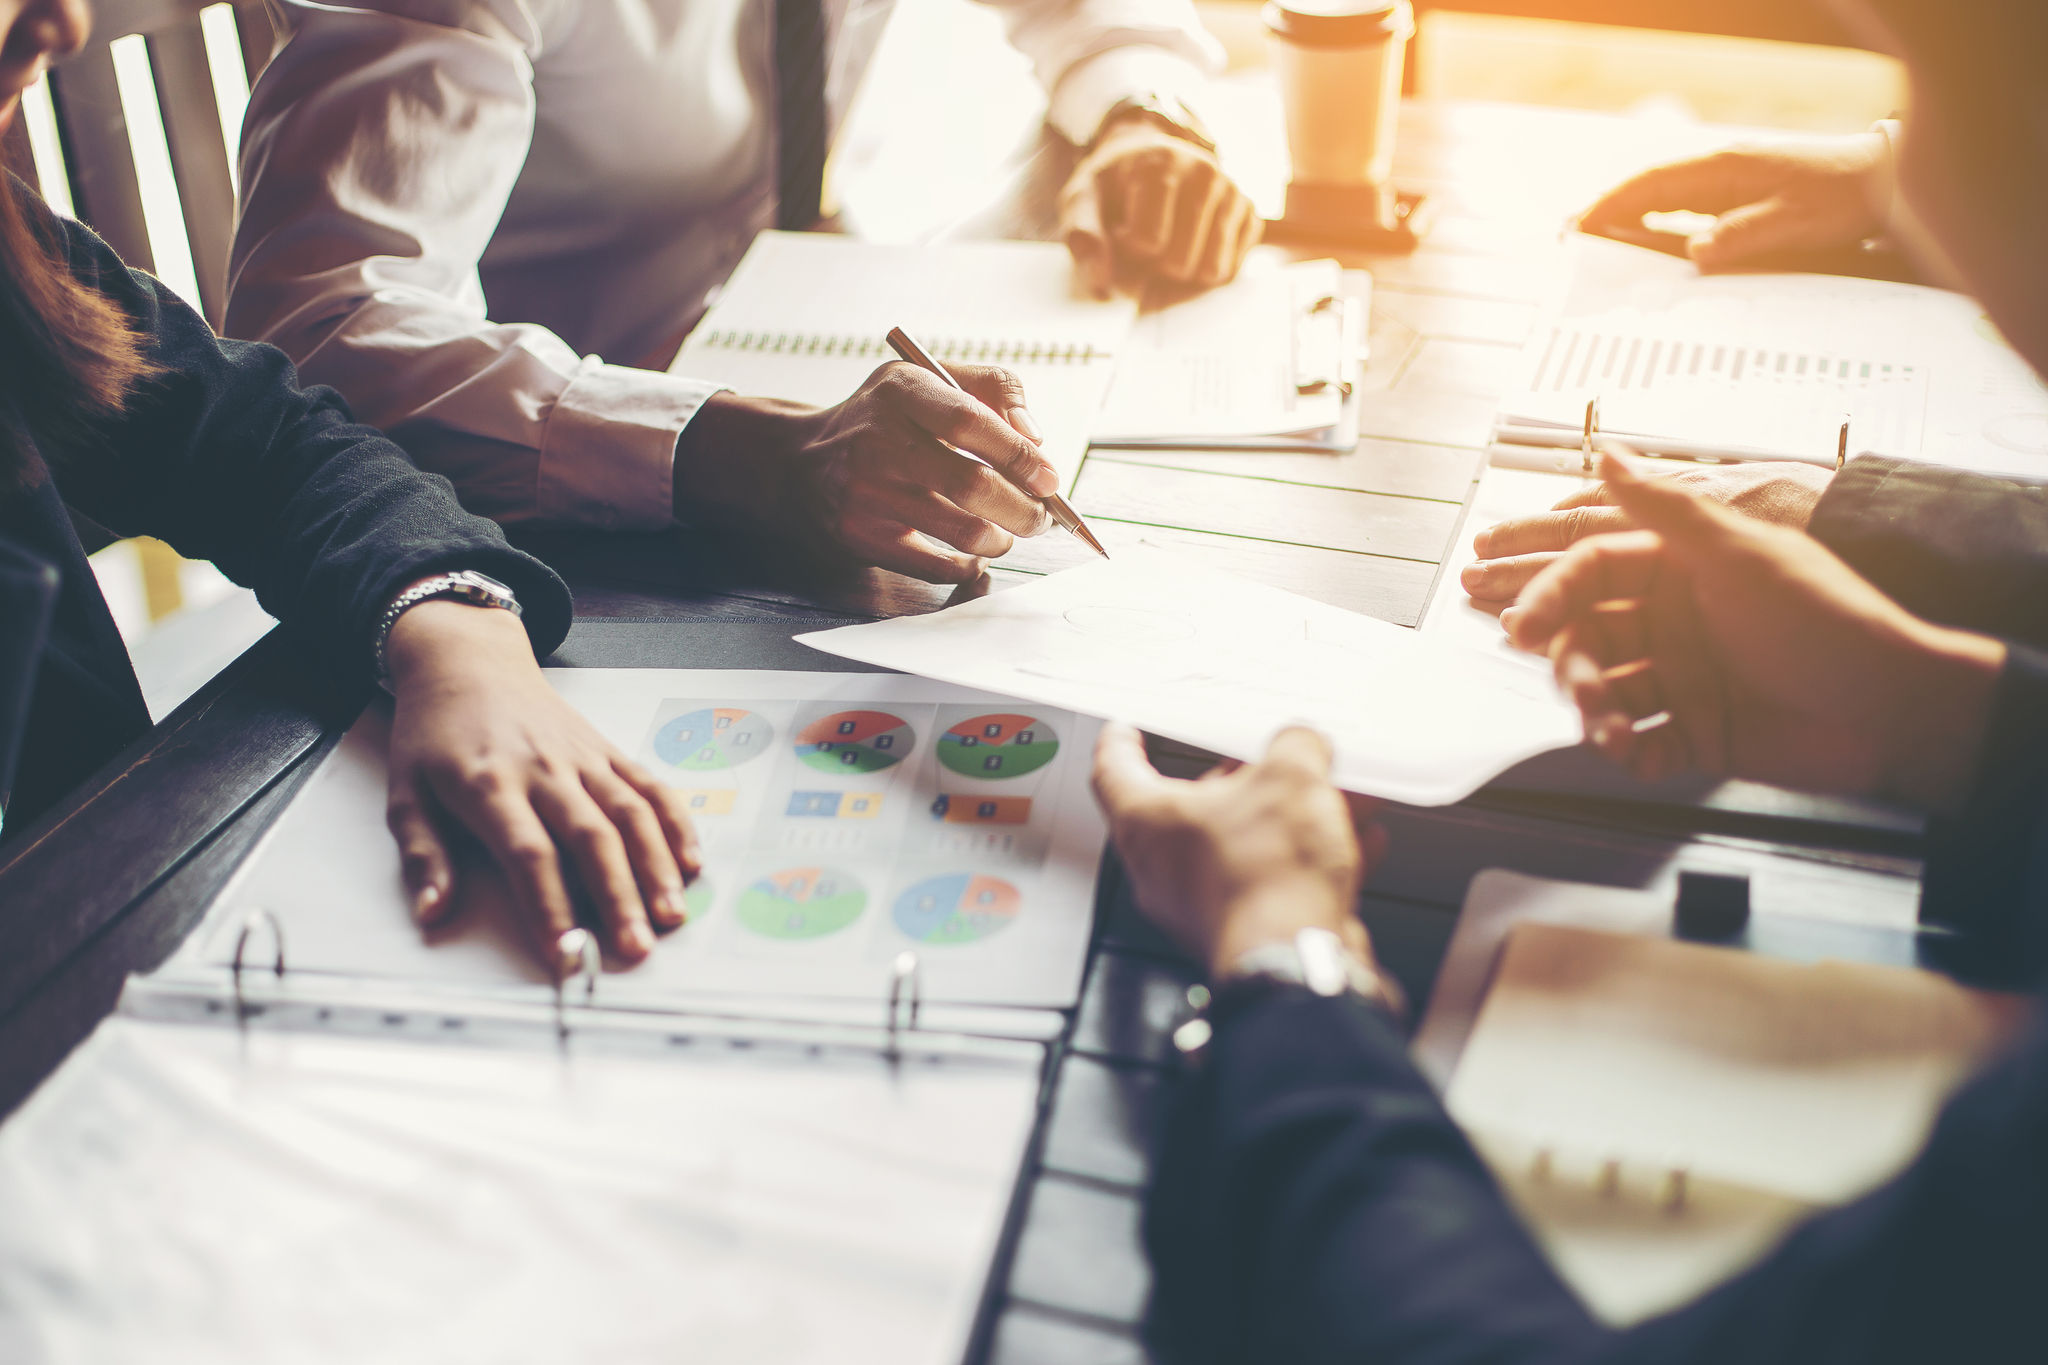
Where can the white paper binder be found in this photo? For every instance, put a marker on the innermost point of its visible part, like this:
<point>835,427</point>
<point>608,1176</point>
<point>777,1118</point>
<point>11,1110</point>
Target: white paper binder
<point>250,1164</point>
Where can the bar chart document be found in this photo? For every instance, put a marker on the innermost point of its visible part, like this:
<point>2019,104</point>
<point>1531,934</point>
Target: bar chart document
<point>1769,366</point>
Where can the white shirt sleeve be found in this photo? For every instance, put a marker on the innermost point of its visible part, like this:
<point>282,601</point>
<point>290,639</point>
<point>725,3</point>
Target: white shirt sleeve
<point>1090,54</point>
<point>379,151</point>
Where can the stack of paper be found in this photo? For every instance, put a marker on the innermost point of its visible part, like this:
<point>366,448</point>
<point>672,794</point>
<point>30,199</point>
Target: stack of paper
<point>1207,659</point>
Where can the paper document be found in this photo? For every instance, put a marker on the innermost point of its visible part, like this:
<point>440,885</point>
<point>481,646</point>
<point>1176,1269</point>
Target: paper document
<point>1768,366</point>
<point>190,1196</point>
<point>1207,659</point>
<point>1269,361</point>
<point>1663,1112</point>
<point>804,315</point>
<point>845,817</point>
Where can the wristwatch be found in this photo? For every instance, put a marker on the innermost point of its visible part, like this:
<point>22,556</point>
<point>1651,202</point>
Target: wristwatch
<point>1168,111</point>
<point>1315,960</point>
<point>465,585</point>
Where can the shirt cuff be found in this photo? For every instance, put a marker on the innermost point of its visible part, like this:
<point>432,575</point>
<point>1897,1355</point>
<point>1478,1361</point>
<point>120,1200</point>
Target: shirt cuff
<point>1095,85</point>
<point>608,457</point>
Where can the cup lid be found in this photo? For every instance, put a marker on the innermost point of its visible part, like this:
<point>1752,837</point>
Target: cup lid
<point>1339,23</point>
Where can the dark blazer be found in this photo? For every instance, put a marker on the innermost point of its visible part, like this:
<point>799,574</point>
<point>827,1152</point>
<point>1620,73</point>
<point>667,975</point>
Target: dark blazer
<point>1312,1201</point>
<point>1969,551</point>
<point>228,459</point>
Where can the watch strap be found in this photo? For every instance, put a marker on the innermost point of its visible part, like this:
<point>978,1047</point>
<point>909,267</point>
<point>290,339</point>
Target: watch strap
<point>1170,112</point>
<point>466,585</point>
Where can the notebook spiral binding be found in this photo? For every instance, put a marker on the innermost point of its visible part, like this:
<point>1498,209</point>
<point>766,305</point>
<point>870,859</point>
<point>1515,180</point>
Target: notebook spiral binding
<point>574,1014</point>
<point>962,350</point>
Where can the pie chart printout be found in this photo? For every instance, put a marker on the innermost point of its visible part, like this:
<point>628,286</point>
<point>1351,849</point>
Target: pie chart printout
<point>713,739</point>
<point>855,742</point>
<point>998,746</point>
<point>801,903</point>
<point>959,907</point>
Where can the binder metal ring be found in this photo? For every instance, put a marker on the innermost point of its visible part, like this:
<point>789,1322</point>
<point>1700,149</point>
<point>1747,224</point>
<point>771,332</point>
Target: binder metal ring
<point>255,920</point>
<point>582,944</point>
<point>903,973</point>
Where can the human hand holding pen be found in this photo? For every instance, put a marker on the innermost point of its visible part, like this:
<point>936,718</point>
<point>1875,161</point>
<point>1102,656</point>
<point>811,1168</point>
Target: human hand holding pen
<point>1062,512</point>
<point>910,473</point>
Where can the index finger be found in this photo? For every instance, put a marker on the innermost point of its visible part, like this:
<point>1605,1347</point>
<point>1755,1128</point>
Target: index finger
<point>1123,775</point>
<point>1603,569</point>
<point>960,419</point>
<point>1699,185</point>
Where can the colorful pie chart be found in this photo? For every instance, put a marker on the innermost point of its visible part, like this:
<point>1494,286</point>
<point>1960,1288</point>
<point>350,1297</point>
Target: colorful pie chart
<point>801,903</point>
<point>959,907</point>
<point>855,742</point>
<point>998,746</point>
<point>713,739</point>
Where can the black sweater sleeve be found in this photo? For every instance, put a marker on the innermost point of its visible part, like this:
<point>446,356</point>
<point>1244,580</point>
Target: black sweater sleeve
<point>1961,549</point>
<point>228,459</point>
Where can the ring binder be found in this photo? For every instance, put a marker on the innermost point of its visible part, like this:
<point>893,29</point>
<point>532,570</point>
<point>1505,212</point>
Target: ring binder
<point>962,349</point>
<point>255,920</point>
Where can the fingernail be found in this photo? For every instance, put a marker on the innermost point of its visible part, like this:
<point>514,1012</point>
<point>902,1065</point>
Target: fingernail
<point>667,907</point>
<point>637,940</point>
<point>1044,481</point>
<point>1022,419</point>
<point>1482,543</point>
<point>569,953</point>
<point>1508,617</point>
<point>1474,571</point>
<point>425,902</point>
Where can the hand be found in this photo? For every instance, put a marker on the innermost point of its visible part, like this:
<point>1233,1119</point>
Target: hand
<point>871,476</point>
<point>1246,855</point>
<point>1511,553</point>
<point>1812,195</point>
<point>1768,657</point>
<point>479,740</point>
<point>1146,202</point>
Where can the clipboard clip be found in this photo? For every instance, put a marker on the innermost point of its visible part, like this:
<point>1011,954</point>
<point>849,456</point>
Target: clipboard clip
<point>906,995</point>
<point>1323,346</point>
<point>580,944</point>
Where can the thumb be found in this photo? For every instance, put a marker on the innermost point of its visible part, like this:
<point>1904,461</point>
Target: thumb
<point>1689,523</point>
<point>1087,241</point>
<point>1746,233</point>
<point>423,860</point>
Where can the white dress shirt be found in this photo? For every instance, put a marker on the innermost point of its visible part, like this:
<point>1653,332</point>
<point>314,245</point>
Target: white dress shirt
<point>489,223</point>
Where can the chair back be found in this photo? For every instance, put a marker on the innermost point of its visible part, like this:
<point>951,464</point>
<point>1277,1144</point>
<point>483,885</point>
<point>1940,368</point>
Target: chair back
<point>99,140</point>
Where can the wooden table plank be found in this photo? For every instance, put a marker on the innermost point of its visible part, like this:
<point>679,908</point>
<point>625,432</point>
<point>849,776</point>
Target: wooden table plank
<point>1268,509</point>
<point>1375,466</point>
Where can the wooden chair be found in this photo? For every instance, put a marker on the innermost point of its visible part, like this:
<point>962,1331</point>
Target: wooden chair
<point>99,156</point>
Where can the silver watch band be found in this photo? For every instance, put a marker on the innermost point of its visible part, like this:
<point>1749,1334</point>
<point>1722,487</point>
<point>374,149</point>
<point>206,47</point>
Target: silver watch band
<point>1317,960</point>
<point>465,585</point>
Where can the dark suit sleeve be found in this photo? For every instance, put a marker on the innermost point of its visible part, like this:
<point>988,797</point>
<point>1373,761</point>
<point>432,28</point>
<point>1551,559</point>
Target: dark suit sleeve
<point>227,458</point>
<point>1960,549</point>
<point>1313,1204</point>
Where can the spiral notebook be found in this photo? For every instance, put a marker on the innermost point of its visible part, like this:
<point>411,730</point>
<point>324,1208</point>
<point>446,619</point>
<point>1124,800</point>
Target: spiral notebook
<point>804,315</point>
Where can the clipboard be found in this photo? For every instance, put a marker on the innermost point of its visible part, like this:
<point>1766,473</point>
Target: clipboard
<point>1268,362</point>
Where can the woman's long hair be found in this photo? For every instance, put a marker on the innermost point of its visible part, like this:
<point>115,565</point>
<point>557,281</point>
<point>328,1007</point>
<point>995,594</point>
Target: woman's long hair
<point>69,357</point>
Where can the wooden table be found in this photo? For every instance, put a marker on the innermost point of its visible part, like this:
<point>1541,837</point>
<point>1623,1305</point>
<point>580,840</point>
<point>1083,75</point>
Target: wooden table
<point>109,883</point>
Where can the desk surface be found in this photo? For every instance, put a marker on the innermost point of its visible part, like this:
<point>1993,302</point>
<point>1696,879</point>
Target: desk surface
<point>110,883</point>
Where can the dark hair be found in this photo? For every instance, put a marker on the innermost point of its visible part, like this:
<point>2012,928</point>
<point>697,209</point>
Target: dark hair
<point>69,357</point>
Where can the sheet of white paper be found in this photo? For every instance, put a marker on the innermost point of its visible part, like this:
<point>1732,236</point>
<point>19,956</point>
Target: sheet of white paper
<point>1207,659</point>
<point>1222,365</point>
<point>181,1195</point>
<point>1768,365</point>
<point>804,316</point>
<point>845,818</point>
